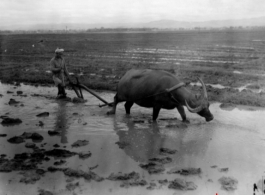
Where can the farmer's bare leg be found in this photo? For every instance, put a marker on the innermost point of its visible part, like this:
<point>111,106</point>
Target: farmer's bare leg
<point>63,91</point>
<point>60,91</point>
<point>58,82</point>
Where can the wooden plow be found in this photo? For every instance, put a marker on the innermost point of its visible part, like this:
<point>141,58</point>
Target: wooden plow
<point>77,87</point>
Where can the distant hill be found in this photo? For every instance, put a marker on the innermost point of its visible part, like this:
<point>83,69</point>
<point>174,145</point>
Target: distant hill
<point>212,23</point>
<point>260,21</point>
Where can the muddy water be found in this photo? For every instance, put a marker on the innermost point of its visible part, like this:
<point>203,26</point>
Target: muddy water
<point>218,86</point>
<point>234,140</point>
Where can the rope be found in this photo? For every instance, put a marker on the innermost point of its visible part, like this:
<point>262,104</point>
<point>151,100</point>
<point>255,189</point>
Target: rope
<point>167,90</point>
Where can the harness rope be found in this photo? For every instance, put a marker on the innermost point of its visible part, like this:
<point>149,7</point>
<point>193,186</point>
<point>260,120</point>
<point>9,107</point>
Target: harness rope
<point>173,88</point>
<point>166,90</point>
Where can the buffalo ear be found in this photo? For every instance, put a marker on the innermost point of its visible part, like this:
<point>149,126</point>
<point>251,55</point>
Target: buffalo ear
<point>198,96</point>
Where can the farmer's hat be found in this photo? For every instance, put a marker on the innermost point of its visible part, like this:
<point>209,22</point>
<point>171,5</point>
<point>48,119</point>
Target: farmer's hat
<point>59,50</point>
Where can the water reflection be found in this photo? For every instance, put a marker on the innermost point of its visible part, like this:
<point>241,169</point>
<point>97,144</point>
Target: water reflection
<point>143,141</point>
<point>61,121</point>
<point>194,141</point>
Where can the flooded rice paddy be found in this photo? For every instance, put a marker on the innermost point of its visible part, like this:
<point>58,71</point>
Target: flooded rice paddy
<point>249,86</point>
<point>232,145</point>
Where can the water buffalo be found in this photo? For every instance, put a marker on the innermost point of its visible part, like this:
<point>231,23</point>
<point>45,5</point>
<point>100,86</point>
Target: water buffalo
<point>159,89</point>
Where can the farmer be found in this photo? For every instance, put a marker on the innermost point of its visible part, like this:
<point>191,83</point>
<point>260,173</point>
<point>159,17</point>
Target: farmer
<point>60,73</point>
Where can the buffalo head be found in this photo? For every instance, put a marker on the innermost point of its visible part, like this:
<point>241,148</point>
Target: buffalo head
<point>203,108</point>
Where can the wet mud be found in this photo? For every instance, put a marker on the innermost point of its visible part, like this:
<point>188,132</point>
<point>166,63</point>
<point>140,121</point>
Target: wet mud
<point>128,180</point>
<point>155,165</point>
<point>122,145</point>
<point>54,133</point>
<point>153,168</point>
<point>10,121</point>
<point>84,155</point>
<point>43,114</point>
<point>80,143</point>
<point>44,192</point>
<point>35,137</point>
<point>186,172</point>
<point>180,184</point>
<point>29,177</point>
<point>165,151</point>
<point>228,183</point>
<point>121,177</point>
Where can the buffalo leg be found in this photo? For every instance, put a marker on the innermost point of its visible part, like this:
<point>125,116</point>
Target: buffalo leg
<point>113,110</point>
<point>182,113</point>
<point>156,111</point>
<point>128,106</point>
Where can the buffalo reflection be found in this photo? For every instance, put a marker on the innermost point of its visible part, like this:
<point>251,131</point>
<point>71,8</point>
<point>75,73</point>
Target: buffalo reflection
<point>143,141</point>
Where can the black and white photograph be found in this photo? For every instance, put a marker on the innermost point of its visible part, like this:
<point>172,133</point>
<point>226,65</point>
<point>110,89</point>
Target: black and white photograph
<point>118,97</point>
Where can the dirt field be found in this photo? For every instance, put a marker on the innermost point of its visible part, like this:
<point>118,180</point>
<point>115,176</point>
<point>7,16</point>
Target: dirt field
<point>232,62</point>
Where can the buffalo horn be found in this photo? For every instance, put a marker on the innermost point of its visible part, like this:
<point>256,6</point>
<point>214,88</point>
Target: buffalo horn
<point>205,95</point>
<point>194,110</point>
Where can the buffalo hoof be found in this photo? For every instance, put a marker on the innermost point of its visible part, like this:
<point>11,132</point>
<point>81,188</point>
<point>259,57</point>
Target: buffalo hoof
<point>186,121</point>
<point>209,119</point>
<point>111,112</point>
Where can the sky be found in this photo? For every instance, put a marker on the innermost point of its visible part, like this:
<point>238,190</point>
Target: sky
<point>18,12</point>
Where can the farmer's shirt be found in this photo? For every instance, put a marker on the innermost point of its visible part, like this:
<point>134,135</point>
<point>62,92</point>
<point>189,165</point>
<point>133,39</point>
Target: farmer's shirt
<point>58,63</point>
<point>58,78</point>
